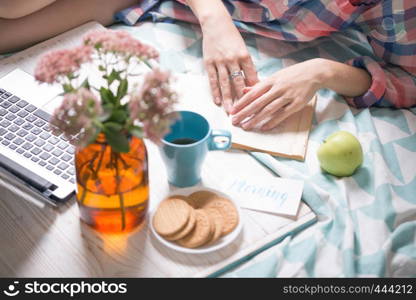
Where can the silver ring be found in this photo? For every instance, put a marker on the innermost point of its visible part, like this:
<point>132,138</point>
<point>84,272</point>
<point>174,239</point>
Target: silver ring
<point>236,74</point>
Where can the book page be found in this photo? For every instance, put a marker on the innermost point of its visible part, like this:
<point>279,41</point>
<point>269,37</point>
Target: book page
<point>289,139</point>
<point>27,59</point>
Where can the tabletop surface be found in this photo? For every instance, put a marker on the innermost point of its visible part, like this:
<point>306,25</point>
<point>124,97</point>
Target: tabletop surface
<point>48,242</point>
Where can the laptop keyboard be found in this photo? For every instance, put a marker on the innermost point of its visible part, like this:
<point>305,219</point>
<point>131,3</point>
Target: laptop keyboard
<point>25,129</point>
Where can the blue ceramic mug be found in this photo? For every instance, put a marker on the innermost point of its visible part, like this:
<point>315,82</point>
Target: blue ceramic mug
<point>184,149</point>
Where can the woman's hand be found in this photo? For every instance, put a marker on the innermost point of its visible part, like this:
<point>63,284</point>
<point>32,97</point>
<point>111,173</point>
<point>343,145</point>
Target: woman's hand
<point>274,99</point>
<point>224,54</point>
<point>287,91</point>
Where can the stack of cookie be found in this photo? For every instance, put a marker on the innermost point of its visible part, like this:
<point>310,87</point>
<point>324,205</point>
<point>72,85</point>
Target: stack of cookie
<point>196,220</point>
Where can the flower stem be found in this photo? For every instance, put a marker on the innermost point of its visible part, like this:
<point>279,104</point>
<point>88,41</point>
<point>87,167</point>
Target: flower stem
<point>125,165</point>
<point>92,161</point>
<point>147,64</point>
<point>85,178</point>
<point>100,161</point>
<point>120,194</point>
<point>94,173</point>
<point>84,191</point>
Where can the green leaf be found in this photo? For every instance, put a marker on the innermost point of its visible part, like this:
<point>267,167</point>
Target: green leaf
<point>118,116</point>
<point>94,136</point>
<point>115,138</point>
<point>113,126</point>
<point>136,131</point>
<point>67,88</point>
<point>107,112</point>
<point>71,76</point>
<point>86,84</point>
<point>114,75</point>
<point>122,89</point>
<point>101,68</point>
<point>107,95</point>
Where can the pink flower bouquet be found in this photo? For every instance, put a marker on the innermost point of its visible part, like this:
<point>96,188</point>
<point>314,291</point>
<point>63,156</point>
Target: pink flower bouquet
<point>118,109</point>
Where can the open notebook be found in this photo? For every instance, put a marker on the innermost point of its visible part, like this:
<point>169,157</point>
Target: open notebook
<point>289,139</point>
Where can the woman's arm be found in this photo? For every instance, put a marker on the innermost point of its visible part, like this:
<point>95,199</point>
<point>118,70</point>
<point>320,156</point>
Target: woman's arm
<point>206,10</point>
<point>13,9</point>
<point>287,91</point>
<point>224,52</point>
<point>344,79</point>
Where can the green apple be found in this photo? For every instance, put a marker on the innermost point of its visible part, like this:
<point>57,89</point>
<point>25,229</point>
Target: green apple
<point>340,154</point>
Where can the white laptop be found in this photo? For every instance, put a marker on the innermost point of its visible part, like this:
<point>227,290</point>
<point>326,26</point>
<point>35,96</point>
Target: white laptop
<point>30,155</point>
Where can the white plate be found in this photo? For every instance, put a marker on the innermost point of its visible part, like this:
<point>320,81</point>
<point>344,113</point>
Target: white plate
<point>220,243</point>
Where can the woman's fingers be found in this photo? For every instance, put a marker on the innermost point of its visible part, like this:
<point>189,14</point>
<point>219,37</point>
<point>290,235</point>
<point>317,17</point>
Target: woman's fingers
<point>237,78</point>
<point>281,115</point>
<point>260,104</point>
<point>246,89</point>
<point>213,82</point>
<point>225,87</point>
<point>223,84</point>
<point>269,111</point>
<point>249,69</point>
<point>249,97</point>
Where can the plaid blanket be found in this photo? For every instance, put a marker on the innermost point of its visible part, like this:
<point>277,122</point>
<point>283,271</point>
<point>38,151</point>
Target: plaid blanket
<point>389,26</point>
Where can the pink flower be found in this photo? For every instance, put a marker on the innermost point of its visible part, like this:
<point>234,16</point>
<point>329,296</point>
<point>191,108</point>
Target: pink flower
<point>61,63</point>
<point>120,42</point>
<point>75,117</point>
<point>152,105</point>
<point>82,115</point>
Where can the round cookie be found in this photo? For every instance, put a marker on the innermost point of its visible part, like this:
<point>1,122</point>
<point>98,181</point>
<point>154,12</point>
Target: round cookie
<point>201,232</point>
<point>182,197</point>
<point>187,229</point>
<point>171,216</point>
<point>228,212</point>
<point>200,198</point>
<point>218,221</point>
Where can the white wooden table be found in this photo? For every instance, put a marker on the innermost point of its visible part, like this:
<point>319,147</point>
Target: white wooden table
<point>47,242</point>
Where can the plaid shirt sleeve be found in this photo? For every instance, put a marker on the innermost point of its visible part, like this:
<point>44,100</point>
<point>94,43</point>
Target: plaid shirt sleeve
<point>390,27</point>
<point>391,86</point>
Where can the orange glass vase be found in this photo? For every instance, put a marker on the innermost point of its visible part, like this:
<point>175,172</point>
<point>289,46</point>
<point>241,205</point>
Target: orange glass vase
<point>113,187</point>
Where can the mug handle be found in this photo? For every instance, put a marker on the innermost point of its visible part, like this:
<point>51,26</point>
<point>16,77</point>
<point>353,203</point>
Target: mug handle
<point>213,145</point>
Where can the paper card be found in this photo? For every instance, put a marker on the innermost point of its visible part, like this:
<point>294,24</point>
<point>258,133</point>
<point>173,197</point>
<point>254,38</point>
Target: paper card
<point>268,194</point>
